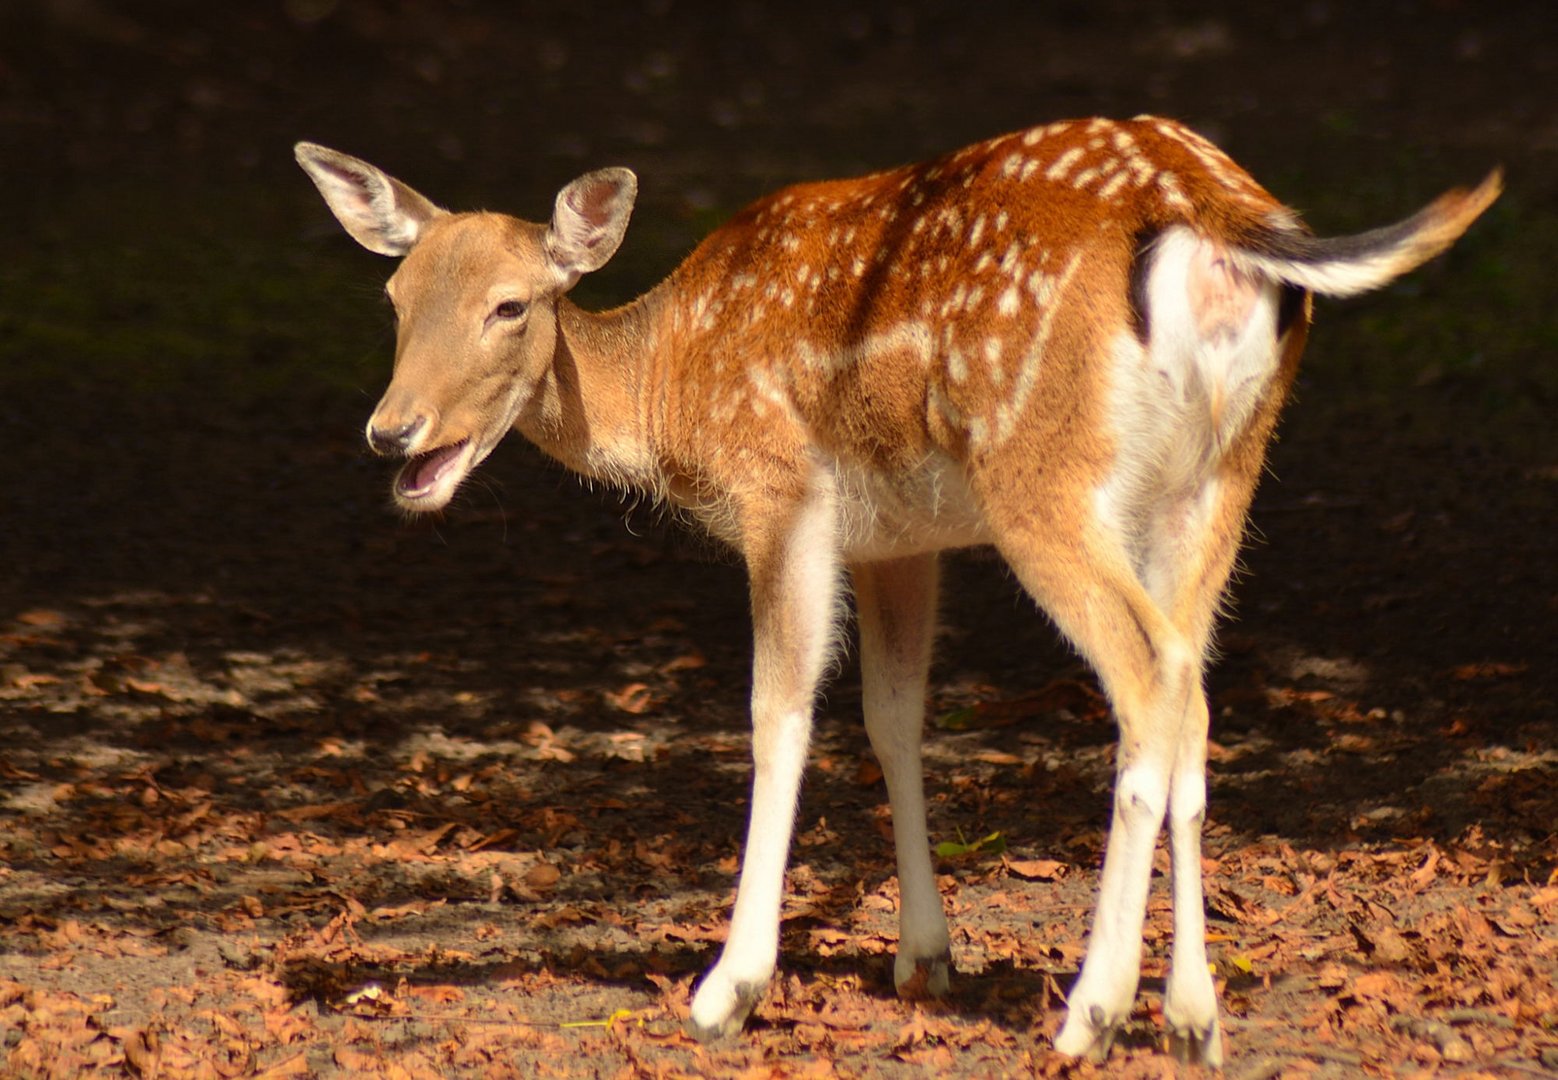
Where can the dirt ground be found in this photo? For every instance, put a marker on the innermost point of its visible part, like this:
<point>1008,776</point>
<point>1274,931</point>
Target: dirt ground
<point>291,787</point>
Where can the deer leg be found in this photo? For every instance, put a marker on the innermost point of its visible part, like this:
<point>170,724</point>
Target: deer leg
<point>896,601</point>
<point>1190,998</point>
<point>1102,997</point>
<point>1083,577</point>
<point>1190,549</point>
<point>794,567</point>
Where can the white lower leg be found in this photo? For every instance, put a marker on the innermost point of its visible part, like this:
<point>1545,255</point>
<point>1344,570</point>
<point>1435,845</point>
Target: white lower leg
<point>897,609</point>
<point>1104,993</point>
<point>734,985</point>
<point>924,945</point>
<point>1190,1000</point>
<point>795,589</point>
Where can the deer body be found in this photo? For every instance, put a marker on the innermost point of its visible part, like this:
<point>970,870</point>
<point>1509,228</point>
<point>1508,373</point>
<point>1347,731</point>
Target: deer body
<point>1070,342</point>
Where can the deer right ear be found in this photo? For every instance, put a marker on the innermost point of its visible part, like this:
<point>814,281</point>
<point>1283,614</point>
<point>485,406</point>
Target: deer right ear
<point>588,222</point>
<point>380,213</point>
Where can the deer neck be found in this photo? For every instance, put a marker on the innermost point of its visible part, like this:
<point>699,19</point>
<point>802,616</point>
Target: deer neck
<point>590,409</point>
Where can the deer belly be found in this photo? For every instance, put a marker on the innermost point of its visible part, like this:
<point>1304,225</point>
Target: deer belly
<point>887,514</point>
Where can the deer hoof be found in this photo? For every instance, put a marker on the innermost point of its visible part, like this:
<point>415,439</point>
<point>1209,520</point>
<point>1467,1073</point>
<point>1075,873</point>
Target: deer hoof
<point>1088,1033</point>
<point>920,978</point>
<point>721,1007</point>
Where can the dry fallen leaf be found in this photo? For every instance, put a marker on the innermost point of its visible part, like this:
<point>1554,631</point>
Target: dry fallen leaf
<point>634,698</point>
<point>543,875</point>
<point>1037,869</point>
<point>1490,669</point>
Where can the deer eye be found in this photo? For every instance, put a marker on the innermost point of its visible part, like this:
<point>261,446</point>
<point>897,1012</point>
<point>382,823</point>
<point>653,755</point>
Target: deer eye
<point>510,309</point>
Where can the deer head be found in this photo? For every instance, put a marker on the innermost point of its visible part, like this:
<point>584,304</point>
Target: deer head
<point>475,299</point>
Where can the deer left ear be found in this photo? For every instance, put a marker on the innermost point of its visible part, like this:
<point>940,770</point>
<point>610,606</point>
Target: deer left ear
<point>588,222</point>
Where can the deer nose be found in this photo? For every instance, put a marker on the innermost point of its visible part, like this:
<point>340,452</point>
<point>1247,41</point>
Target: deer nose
<point>395,440</point>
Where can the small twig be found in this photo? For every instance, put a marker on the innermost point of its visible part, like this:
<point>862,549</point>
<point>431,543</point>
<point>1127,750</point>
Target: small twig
<point>1477,1016</point>
<point>1518,1066</point>
<point>1326,1053</point>
<point>492,1020</point>
<point>1314,1050</point>
<point>608,1023</point>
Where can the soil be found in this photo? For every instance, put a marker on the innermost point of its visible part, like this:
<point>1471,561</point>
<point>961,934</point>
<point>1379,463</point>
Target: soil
<point>291,787</point>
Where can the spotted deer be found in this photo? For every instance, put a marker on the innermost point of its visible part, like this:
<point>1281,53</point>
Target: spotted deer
<point>1070,343</point>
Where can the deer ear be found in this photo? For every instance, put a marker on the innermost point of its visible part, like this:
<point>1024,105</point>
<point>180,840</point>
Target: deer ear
<point>380,213</point>
<point>589,221</point>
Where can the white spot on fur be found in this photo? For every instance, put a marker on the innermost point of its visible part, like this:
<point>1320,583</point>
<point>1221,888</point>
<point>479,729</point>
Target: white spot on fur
<point>1062,165</point>
<point>950,413</point>
<point>912,338</point>
<point>1173,194</point>
<point>1007,304</point>
<point>1009,263</point>
<point>993,349</point>
<point>978,432</point>
<point>1010,411</point>
<point>766,383</point>
<point>957,365</point>
<point>1112,187</point>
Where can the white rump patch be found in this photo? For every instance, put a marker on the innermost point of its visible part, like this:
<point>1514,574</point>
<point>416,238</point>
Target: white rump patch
<point>1177,404</point>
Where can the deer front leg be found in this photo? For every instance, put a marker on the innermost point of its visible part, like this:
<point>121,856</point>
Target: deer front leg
<point>896,601</point>
<point>793,560</point>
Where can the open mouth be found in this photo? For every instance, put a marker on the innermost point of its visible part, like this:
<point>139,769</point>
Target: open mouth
<point>429,479</point>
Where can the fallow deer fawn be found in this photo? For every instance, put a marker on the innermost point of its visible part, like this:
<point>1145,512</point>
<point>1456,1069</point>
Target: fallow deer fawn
<point>1070,342</point>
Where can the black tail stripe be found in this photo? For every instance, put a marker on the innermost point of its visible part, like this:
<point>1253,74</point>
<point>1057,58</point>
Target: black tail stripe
<point>1141,263</point>
<point>1307,248</point>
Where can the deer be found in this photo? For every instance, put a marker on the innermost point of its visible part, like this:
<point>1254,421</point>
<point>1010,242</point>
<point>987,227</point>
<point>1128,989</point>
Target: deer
<point>1069,343</point>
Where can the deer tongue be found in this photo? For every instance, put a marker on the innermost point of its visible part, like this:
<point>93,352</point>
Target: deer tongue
<point>425,470</point>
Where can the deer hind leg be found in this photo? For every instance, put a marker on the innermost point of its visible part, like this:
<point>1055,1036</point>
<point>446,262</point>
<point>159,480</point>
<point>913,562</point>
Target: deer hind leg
<point>896,601</point>
<point>793,561</point>
<point>1189,549</point>
<point>1216,337</point>
<point>1189,411</point>
<point>1082,575</point>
